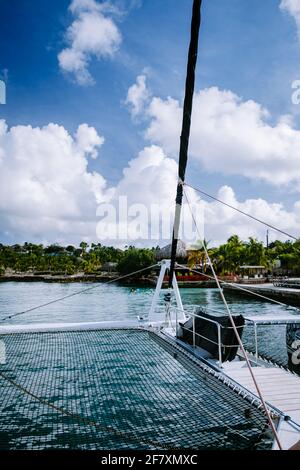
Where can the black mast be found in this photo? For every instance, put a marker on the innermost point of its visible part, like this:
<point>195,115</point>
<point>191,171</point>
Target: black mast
<point>186,125</point>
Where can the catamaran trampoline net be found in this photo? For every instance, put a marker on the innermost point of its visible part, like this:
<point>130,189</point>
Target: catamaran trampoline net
<point>116,389</point>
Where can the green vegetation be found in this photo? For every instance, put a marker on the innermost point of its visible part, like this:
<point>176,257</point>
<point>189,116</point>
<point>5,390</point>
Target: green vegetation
<point>135,259</point>
<point>57,259</point>
<point>227,258</point>
<point>234,253</point>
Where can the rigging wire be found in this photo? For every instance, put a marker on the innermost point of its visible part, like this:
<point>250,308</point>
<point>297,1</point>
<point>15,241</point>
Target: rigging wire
<point>82,291</point>
<point>81,419</point>
<point>84,420</point>
<point>240,211</point>
<point>235,286</point>
<point>266,409</point>
<point>87,421</point>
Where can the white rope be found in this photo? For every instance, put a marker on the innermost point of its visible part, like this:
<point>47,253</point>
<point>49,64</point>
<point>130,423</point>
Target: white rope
<point>277,302</point>
<point>267,412</point>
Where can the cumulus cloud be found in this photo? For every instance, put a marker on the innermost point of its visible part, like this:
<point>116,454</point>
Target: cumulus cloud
<point>46,189</point>
<point>147,190</point>
<point>47,192</point>
<point>93,33</point>
<point>221,222</point>
<point>293,8</point>
<point>230,136</point>
<point>149,182</point>
<point>151,176</point>
<point>138,96</point>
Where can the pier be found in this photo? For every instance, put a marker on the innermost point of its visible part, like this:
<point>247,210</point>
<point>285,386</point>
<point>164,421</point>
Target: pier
<point>281,390</point>
<point>285,295</point>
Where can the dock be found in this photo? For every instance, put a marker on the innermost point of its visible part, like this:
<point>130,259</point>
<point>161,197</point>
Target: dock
<point>280,389</point>
<point>193,284</point>
<point>285,295</point>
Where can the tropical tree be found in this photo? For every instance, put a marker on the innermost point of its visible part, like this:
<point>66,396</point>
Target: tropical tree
<point>135,259</point>
<point>255,253</point>
<point>230,255</point>
<point>197,255</point>
<point>83,246</point>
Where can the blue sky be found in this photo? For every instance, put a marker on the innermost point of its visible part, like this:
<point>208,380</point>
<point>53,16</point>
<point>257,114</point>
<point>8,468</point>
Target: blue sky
<point>249,48</point>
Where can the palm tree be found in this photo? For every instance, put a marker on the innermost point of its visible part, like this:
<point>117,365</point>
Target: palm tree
<point>230,256</point>
<point>197,255</point>
<point>256,253</point>
<point>83,246</point>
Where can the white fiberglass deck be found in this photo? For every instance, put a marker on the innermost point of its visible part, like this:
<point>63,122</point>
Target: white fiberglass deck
<point>280,389</point>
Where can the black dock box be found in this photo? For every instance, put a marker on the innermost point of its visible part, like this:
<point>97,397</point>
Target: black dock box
<point>209,333</point>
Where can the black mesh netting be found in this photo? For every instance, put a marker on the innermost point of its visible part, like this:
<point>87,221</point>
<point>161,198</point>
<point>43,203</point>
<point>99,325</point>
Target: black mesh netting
<point>271,343</point>
<point>116,389</point>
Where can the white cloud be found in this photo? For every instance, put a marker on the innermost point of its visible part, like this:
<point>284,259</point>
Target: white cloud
<point>48,193</point>
<point>293,8</point>
<point>77,6</point>
<point>147,188</point>
<point>165,126</point>
<point>221,222</point>
<point>46,189</point>
<point>92,34</point>
<point>230,136</point>
<point>138,96</point>
<point>151,179</point>
<point>88,140</point>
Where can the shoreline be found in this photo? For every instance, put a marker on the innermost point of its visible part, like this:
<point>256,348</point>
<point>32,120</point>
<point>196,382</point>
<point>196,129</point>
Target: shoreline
<point>64,278</point>
<point>101,278</point>
<point>104,277</point>
<point>76,278</point>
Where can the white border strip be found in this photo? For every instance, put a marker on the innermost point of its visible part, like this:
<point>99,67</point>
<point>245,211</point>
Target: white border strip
<point>52,327</point>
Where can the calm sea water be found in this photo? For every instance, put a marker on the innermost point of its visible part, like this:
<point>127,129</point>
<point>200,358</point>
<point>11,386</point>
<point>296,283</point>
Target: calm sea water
<point>105,302</point>
<point>67,370</point>
<point>118,303</point>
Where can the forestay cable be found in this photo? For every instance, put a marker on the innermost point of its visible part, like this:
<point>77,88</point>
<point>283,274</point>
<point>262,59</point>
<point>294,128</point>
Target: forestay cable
<point>241,212</point>
<point>267,412</point>
<point>235,286</point>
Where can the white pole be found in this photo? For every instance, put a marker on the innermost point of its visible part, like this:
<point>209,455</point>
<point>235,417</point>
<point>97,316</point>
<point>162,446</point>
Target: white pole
<point>178,297</point>
<point>165,264</point>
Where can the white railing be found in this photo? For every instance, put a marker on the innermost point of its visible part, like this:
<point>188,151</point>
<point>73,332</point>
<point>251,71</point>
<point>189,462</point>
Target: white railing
<point>251,340</point>
<point>190,311</point>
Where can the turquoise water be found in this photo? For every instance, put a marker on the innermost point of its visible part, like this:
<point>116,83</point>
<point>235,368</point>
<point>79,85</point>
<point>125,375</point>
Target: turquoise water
<point>127,393</point>
<point>106,302</point>
<point>115,390</point>
<point>117,303</point>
